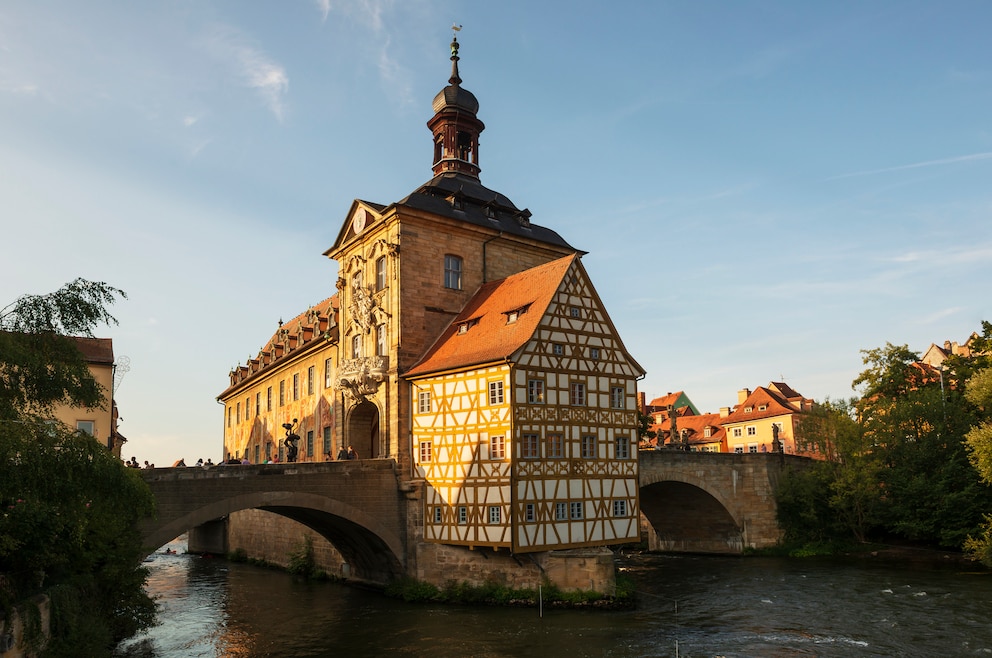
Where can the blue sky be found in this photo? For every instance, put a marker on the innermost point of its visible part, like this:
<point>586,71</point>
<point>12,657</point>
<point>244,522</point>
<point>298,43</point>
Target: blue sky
<point>764,188</point>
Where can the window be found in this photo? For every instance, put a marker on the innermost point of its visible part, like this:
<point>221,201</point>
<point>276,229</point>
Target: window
<point>561,511</point>
<point>511,317</point>
<point>327,373</point>
<point>453,272</point>
<point>310,377</point>
<point>619,508</point>
<point>494,514</point>
<point>617,397</point>
<point>577,394</point>
<point>594,352</point>
<point>296,386</point>
<point>282,392</point>
<point>556,446</point>
<point>258,403</point>
<point>588,446</point>
<point>748,410</point>
<point>356,346</point>
<point>762,407</point>
<point>557,349</point>
<point>622,446</point>
<point>326,448</point>
<point>424,402</point>
<point>437,514</point>
<point>380,273</point>
<point>462,515</point>
<point>535,391</point>
<point>380,340</point>
<point>530,446</point>
<point>238,413</point>
<point>708,432</point>
<point>247,407</point>
<point>752,430</point>
<point>529,512</point>
<point>229,410</point>
<point>738,450</point>
<point>575,510</point>
<point>257,450</point>
<point>86,427</point>
<point>738,432</point>
<point>426,451</point>
<point>497,447</point>
<point>575,312</point>
<point>268,399</point>
<point>309,443</point>
<point>495,392</point>
<point>752,448</point>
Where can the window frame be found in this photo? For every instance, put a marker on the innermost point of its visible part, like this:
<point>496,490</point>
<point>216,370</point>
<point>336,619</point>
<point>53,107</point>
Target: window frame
<point>497,447</point>
<point>380,273</point>
<point>577,394</point>
<point>556,445</point>
<point>424,402</point>
<point>426,451</point>
<point>588,444</point>
<point>530,446</point>
<point>496,396</point>
<point>536,391</point>
<point>618,397</point>
<point>621,446</point>
<point>453,266</point>
<point>495,514</point>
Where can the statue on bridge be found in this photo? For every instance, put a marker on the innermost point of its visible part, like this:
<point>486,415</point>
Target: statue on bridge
<point>292,438</point>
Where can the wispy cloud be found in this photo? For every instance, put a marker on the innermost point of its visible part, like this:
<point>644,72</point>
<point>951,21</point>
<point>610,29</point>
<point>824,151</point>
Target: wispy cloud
<point>252,65</point>
<point>917,165</point>
<point>324,6</point>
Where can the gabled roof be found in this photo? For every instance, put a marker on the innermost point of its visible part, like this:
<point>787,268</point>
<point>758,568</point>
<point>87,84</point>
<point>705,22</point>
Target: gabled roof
<point>487,335</point>
<point>665,400</point>
<point>775,405</point>
<point>696,425</point>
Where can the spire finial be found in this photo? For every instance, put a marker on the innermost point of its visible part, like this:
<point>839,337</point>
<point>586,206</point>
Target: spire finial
<point>454,79</point>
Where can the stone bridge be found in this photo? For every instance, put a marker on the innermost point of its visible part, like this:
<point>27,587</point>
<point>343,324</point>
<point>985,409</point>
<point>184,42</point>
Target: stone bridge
<point>356,505</point>
<point>710,502</point>
<point>691,502</point>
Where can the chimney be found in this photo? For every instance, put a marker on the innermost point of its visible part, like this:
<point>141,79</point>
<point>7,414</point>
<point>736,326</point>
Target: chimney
<point>743,394</point>
<point>724,412</point>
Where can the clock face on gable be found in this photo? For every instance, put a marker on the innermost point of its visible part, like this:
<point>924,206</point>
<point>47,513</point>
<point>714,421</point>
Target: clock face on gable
<point>358,221</point>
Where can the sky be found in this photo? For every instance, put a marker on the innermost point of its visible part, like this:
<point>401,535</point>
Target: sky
<point>764,188</point>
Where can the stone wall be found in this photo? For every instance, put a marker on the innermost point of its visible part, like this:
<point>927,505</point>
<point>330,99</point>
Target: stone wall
<point>12,644</point>
<point>271,537</point>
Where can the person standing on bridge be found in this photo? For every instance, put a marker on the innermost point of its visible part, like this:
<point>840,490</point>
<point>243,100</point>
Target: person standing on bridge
<point>342,454</point>
<point>351,453</point>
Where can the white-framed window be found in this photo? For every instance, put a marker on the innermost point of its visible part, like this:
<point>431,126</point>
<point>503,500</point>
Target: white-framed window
<point>762,407</point>
<point>86,427</point>
<point>380,273</point>
<point>311,375</point>
<point>588,449</point>
<point>752,447</point>
<point>437,514</point>
<point>424,402</point>
<point>575,311</point>
<point>575,510</point>
<point>752,430</point>
<point>557,349</point>
<point>707,432</point>
<point>594,352</point>
<point>561,511</point>
<point>617,397</point>
<point>497,447</point>
<point>462,515</point>
<point>577,394</point>
<point>619,508</point>
<point>529,514</point>
<point>738,432</point>
<point>530,446</point>
<point>512,316</point>
<point>556,446</point>
<point>496,392</point>
<point>748,410</point>
<point>426,451</point>
<point>452,272</point>
<point>380,339</point>
<point>535,391</point>
<point>356,346</point>
<point>738,450</point>
<point>494,514</point>
<point>622,444</point>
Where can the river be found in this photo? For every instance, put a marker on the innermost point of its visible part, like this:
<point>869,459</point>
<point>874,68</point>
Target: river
<point>688,606</point>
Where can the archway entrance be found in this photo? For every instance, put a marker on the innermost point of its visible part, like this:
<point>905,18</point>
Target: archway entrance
<point>363,431</point>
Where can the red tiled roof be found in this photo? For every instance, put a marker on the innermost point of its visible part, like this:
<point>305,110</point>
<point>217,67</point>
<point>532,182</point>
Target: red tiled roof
<point>489,337</point>
<point>666,400</point>
<point>776,405</point>
<point>697,426</point>
<point>96,350</point>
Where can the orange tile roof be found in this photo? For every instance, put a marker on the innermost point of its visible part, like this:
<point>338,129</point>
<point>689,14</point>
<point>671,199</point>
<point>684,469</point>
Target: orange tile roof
<point>776,405</point>
<point>488,336</point>
<point>666,400</point>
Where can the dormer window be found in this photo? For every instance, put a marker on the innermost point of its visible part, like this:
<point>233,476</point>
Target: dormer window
<point>708,432</point>
<point>748,410</point>
<point>491,210</point>
<point>514,315</point>
<point>762,407</point>
<point>463,327</point>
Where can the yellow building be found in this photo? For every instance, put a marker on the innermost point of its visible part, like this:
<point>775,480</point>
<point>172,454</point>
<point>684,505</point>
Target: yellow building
<point>764,415</point>
<point>525,420</point>
<point>101,421</point>
<point>290,381</point>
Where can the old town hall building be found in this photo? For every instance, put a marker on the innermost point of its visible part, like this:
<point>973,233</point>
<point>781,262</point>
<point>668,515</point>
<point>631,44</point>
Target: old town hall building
<point>468,344</point>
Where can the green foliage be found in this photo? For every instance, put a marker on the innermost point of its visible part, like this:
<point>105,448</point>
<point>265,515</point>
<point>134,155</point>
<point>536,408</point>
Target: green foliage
<point>643,423</point>
<point>979,546</point>
<point>41,368</point>
<point>493,592</point>
<point>303,562</point>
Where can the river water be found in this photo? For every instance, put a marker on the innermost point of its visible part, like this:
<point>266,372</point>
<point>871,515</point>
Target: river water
<point>688,606</point>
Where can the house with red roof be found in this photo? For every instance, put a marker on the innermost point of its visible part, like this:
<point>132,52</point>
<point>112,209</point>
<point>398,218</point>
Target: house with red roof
<point>765,420</point>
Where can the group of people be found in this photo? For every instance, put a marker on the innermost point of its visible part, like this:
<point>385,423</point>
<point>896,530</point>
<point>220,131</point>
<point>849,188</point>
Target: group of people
<point>343,454</point>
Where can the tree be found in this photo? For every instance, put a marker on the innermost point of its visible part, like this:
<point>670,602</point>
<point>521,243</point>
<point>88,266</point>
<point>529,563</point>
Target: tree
<point>68,508</point>
<point>39,366</point>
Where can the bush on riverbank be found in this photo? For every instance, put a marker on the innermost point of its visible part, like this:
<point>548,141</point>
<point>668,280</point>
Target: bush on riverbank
<point>412,590</point>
